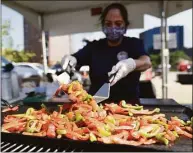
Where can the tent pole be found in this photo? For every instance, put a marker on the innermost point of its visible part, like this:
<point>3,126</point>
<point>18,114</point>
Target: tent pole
<point>167,47</point>
<point>43,44</point>
<point>164,50</point>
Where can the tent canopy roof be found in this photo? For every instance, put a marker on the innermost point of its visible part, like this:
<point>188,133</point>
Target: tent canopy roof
<point>71,15</point>
<point>49,7</point>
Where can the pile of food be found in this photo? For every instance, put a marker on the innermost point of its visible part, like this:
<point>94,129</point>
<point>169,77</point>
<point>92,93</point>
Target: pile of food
<point>110,123</point>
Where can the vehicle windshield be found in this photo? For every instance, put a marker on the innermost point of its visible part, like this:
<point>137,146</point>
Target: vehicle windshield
<point>56,66</point>
<point>4,61</point>
<point>40,67</point>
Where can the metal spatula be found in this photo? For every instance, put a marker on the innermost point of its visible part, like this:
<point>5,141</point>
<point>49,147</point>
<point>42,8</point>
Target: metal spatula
<point>104,92</point>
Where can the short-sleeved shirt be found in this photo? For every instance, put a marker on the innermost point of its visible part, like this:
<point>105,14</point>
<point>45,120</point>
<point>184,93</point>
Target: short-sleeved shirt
<point>101,57</point>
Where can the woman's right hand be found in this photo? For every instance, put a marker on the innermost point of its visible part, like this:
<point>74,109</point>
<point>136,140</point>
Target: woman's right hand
<point>68,59</point>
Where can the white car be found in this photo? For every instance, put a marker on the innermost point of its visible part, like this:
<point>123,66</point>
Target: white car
<point>40,66</point>
<point>10,82</point>
<point>31,69</point>
<point>26,70</point>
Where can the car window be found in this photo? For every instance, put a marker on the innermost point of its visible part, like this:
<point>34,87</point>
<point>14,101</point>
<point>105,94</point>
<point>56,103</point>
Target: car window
<point>57,66</point>
<point>4,61</point>
<point>23,69</point>
<point>40,67</point>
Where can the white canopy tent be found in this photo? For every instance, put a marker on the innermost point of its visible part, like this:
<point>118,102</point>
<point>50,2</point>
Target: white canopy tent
<point>67,17</point>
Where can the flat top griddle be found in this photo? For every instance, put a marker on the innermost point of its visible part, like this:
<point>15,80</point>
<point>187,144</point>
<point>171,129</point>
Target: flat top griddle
<point>170,108</point>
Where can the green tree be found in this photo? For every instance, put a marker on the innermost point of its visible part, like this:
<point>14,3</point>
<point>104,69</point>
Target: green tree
<point>155,60</point>
<point>5,34</point>
<point>5,28</point>
<point>17,56</point>
<point>175,57</point>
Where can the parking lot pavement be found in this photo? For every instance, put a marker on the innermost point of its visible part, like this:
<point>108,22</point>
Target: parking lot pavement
<point>179,92</point>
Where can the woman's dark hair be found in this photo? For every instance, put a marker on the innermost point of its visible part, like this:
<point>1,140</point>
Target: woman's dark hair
<point>118,6</point>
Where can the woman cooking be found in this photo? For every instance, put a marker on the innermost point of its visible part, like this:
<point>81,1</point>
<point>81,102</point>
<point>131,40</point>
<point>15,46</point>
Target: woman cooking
<point>116,54</point>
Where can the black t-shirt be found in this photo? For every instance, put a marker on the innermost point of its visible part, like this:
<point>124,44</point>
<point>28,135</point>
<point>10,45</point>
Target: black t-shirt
<point>101,58</point>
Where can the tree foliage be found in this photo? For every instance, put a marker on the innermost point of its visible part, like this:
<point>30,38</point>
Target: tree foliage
<point>155,60</point>
<point>17,56</point>
<point>175,57</point>
<point>5,34</point>
<point>5,28</point>
<point>8,52</point>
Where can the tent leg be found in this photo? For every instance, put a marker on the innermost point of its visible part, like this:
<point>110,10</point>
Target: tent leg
<point>166,54</point>
<point>164,51</point>
<point>44,51</point>
<point>43,44</point>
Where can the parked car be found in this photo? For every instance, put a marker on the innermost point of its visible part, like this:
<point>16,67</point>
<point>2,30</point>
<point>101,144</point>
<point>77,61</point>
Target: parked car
<point>32,72</point>
<point>41,67</point>
<point>184,66</point>
<point>28,73</point>
<point>10,81</point>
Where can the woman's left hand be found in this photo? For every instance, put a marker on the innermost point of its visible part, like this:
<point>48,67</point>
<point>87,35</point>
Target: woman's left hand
<point>123,68</point>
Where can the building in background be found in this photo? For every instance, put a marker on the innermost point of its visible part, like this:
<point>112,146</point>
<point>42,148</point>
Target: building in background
<point>32,41</point>
<point>58,47</point>
<point>152,39</point>
<point>68,44</point>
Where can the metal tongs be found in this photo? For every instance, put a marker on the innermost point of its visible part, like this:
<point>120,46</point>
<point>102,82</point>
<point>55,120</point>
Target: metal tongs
<point>6,103</point>
<point>65,78</point>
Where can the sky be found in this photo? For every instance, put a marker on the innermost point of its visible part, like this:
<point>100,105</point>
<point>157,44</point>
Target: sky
<point>17,32</point>
<point>183,18</point>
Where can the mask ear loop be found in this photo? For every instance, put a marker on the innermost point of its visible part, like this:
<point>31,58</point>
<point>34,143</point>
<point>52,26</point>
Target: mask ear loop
<point>125,30</point>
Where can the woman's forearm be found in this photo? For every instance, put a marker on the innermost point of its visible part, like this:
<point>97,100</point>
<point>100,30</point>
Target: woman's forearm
<point>143,63</point>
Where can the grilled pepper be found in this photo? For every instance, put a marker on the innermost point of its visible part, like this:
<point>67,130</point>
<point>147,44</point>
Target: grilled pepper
<point>110,119</point>
<point>137,107</point>
<point>24,116</point>
<point>87,99</point>
<point>156,110</point>
<point>31,126</point>
<point>103,132</point>
<point>130,113</point>
<point>160,137</point>
<point>78,93</point>
<point>51,131</point>
<point>44,106</point>
<point>101,106</point>
<point>79,117</point>
<point>161,123</point>
<point>70,116</point>
<point>107,127</point>
<point>175,133</point>
<point>60,132</point>
<point>136,125</point>
<point>153,132</point>
<point>70,89</point>
<point>190,123</point>
<point>60,109</point>
<point>29,111</point>
<point>181,121</point>
<point>92,137</point>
